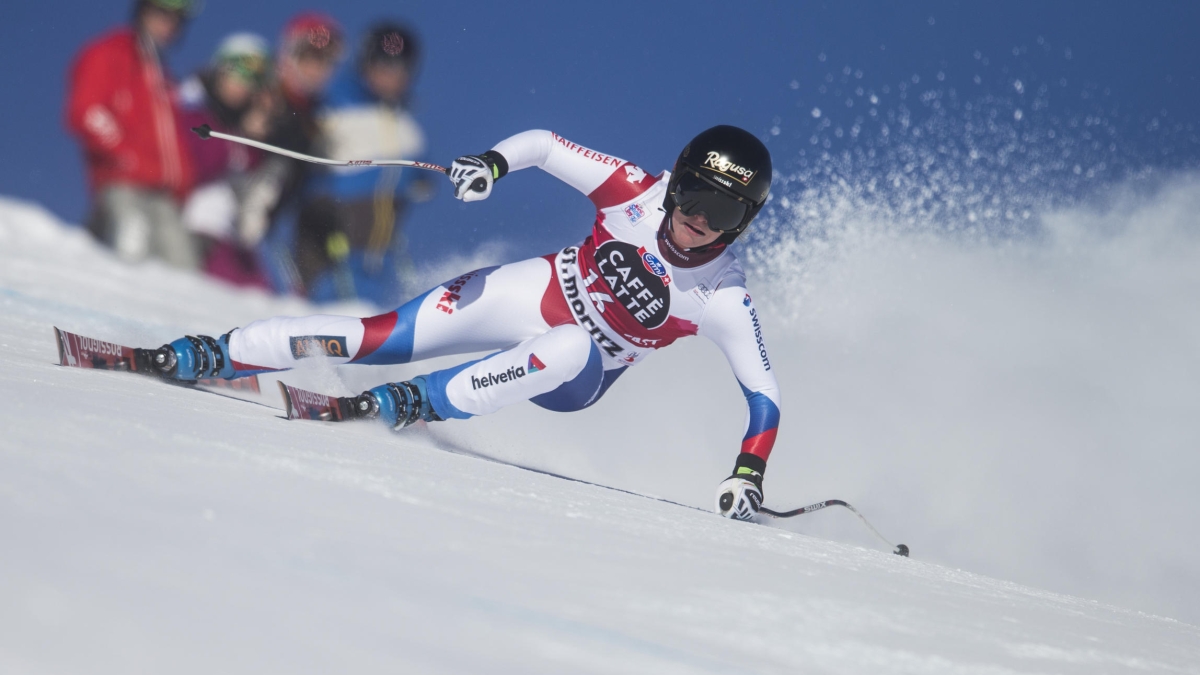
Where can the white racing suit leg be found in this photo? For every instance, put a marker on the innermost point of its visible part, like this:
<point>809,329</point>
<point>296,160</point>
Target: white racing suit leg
<point>487,309</point>
<point>559,370</point>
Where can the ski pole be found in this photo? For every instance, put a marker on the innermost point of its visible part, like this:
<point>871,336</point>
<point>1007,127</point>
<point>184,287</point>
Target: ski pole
<point>898,549</point>
<point>204,131</point>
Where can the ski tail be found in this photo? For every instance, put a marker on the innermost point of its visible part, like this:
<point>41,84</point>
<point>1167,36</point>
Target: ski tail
<point>307,405</point>
<point>78,351</point>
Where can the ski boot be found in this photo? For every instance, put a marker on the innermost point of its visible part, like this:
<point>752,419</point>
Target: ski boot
<point>190,358</point>
<point>399,404</point>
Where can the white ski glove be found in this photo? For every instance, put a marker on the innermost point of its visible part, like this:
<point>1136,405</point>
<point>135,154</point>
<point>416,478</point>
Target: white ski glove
<point>472,176</point>
<point>259,196</point>
<point>738,498</point>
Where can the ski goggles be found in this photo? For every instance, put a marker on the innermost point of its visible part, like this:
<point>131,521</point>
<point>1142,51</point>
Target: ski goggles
<point>250,67</point>
<point>694,195</point>
<point>184,8</point>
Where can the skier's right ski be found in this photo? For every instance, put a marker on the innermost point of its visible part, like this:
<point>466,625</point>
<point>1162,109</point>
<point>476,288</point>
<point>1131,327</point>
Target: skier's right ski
<point>78,351</point>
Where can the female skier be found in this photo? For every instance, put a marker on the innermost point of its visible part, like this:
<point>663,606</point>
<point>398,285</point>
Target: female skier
<point>657,267</point>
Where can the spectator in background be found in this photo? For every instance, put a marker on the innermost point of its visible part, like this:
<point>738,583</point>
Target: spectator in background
<point>120,106</point>
<point>309,50</point>
<point>228,96</point>
<point>349,242</point>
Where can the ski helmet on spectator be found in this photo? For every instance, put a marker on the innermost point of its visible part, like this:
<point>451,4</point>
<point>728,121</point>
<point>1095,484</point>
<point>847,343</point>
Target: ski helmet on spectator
<point>247,55</point>
<point>186,9</point>
<point>389,42</point>
<point>311,34</point>
<point>724,173</point>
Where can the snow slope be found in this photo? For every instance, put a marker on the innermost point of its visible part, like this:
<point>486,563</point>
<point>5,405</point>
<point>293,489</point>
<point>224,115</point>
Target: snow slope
<point>151,528</point>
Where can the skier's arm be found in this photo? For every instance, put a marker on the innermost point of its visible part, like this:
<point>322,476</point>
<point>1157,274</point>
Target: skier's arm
<point>732,323</point>
<point>605,179</point>
<point>88,113</point>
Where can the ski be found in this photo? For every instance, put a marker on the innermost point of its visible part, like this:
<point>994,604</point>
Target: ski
<point>78,351</point>
<point>309,405</point>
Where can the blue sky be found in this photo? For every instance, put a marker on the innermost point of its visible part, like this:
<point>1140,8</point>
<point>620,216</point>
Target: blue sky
<point>639,79</point>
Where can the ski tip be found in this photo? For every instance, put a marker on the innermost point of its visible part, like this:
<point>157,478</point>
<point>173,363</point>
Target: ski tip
<point>203,131</point>
<point>287,401</point>
<point>901,550</point>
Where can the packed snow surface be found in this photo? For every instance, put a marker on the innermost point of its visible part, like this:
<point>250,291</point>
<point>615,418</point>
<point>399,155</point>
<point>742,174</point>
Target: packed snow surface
<point>154,528</point>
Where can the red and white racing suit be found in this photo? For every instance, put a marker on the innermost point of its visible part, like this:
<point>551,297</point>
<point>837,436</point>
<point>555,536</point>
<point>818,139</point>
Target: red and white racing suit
<point>566,324</point>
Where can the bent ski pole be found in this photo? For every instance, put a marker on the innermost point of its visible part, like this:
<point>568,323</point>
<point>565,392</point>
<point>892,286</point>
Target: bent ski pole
<point>898,549</point>
<point>204,131</point>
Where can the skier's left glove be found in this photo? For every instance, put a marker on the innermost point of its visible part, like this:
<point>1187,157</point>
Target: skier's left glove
<point>740,496</point>
<point>473,175</point>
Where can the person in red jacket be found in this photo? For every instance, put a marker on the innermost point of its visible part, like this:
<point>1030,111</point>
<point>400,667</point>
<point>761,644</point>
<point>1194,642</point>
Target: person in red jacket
<point>120,105</point>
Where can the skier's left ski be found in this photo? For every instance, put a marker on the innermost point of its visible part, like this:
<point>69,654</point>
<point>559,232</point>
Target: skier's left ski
<point>77,351</point>
<point>309,405</point>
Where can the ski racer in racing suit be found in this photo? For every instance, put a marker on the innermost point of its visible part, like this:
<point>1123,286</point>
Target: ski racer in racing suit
<point>656,268</point>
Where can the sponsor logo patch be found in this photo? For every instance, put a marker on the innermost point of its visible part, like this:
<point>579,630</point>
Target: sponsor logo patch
<point>450,297</point>
<point>656,267</point>
<point>637,287</point>
<point>493,379</point>
<point>567,266</point>
<point>716,162</point>
<point>645,342</point>
<point>308,398</point>
<point>758,337</point>
<point>587,154</point>
<point>635,212</point>
<point>535,364</point>
<point>308,346</point>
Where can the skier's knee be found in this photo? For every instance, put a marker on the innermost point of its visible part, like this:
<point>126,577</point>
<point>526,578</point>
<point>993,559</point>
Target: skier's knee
<point>572,347</point>
<point>581,368</point>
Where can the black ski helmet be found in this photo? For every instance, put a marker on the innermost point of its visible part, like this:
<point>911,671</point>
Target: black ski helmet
<point>388,42</point>
<point>725,173</point>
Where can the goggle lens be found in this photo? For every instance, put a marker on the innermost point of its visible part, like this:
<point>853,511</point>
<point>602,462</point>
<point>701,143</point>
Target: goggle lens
<point>694,196</point>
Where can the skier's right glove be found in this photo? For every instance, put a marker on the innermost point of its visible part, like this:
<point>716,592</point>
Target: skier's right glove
<point>740,496</point>
<point>473,175</point>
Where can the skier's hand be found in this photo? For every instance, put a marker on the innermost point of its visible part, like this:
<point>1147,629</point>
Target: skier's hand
<point>472,176</point>
<point>254,217</point>
<point>740,496</point>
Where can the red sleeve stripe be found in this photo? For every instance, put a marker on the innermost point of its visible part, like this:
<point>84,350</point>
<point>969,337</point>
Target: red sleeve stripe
<point>376,330</point>
<point>761,444</point>
<point>624,184</point>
